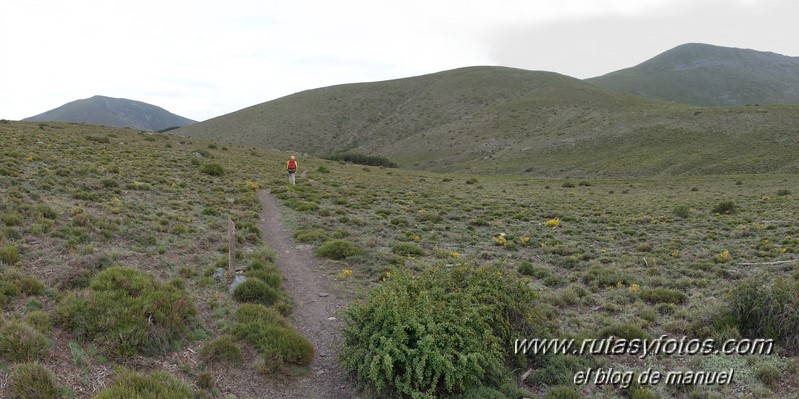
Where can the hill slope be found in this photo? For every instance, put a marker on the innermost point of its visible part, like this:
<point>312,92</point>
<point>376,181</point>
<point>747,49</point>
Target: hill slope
<point>702,74</point>
<point>114,112</point>
<point>503,120</point>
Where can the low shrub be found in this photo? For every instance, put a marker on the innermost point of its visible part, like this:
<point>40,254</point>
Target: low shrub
<point>311,235</point>
<point>253,290</point>
<point>20,342</point>
<point>222,349</point>
<point>272,336</point>
<point>213,169</point>
<point>763,309</point>
<point>725,208</point>
<point>127,312</point>
<point>407,249</point>
<point>158,384</point>
<point>9,254</point>
<point>271,278</point>
<point>338,249</point>
<point>32,381</point>
<point>441,333</point>
<point>681,211</point>
<point>663,295</point>
<point>768,375</point>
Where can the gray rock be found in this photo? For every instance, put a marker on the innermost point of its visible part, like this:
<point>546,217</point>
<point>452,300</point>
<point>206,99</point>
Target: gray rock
<point>236,282</point>
<point>219,275</point>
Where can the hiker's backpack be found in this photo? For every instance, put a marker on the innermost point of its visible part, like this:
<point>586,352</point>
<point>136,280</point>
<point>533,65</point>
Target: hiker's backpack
<point>292,165</point>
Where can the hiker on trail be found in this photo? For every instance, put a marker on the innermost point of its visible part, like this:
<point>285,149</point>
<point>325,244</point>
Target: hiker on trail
<point>291,166</point>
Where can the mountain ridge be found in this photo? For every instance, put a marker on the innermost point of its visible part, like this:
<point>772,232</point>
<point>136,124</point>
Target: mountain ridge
<point>505,120</point>
<point>708,75</point>
<point>114,112</point>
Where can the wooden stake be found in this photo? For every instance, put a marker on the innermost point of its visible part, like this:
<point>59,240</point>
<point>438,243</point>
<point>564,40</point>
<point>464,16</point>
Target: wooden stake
<point>231,246</point>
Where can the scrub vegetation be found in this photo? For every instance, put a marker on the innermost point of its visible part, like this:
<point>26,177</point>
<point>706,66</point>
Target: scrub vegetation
<point>444,271</point>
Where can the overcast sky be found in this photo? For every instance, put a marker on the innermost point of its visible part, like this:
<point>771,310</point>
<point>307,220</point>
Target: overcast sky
<point>202,59</point>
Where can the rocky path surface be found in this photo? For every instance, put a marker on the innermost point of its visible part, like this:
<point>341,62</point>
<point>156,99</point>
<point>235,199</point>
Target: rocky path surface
<point>317,308</point>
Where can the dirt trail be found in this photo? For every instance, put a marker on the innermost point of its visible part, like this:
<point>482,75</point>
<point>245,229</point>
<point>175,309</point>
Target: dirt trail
<point>316,308</point>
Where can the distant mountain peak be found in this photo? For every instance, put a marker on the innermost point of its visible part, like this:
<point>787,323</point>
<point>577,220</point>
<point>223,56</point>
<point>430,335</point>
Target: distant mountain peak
<point>115,112</point>
<point>705,74</point>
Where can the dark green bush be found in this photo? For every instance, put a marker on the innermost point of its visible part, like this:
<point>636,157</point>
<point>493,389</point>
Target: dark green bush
<point>407,249</point>
<point>682,211</point>
<point>127,312</point>
<point>440,334</point>
<point>272,336</point>
<point>663,295</point>
<point>158,384</point>
<point>271,278</point>
<point>32,381</point>
<point>362,159</point>
<point>725,208</point>
<point>213,169</point>
<point>253,290</point>
<point>783,192</point>
<point>526,268</point>
<point>20,342</point>
<point>338,249</point>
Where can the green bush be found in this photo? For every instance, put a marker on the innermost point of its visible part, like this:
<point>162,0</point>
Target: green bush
<point>526,268</point>
<point>783,192</point>
<point>20,342</point>
<point>312,235</point>
<point>127,312</point>
<point>254,290</point>
<point>271,278</point>
<point>771,310</point>
<point>9,254</point>
<point>407,249</point>
<point>663,295</point>
<point>32,381</point>
<point>12,219</point>
<point>213,169</point>
<point>725,208</point>
<point>222,349</point>
<point>272,336</point>
<point>442,333</point>
<point>338,249</point>
<point>130,385</point>
<point>682,211</point>
<point>39,320</point>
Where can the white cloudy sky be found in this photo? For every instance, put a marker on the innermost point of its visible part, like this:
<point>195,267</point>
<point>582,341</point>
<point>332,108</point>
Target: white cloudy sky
<point>201,59</point>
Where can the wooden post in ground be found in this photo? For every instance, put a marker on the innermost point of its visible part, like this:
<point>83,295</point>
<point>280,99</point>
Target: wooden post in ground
<point>231,246</point>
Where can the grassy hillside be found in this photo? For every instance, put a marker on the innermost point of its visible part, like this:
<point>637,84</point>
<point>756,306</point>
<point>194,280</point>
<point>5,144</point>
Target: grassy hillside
<point>622,257</point>
<point>109,240</point>
<point>114,112</point>
<point>707,75</point>
<point>94,216</point>
<point>502,120</point>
